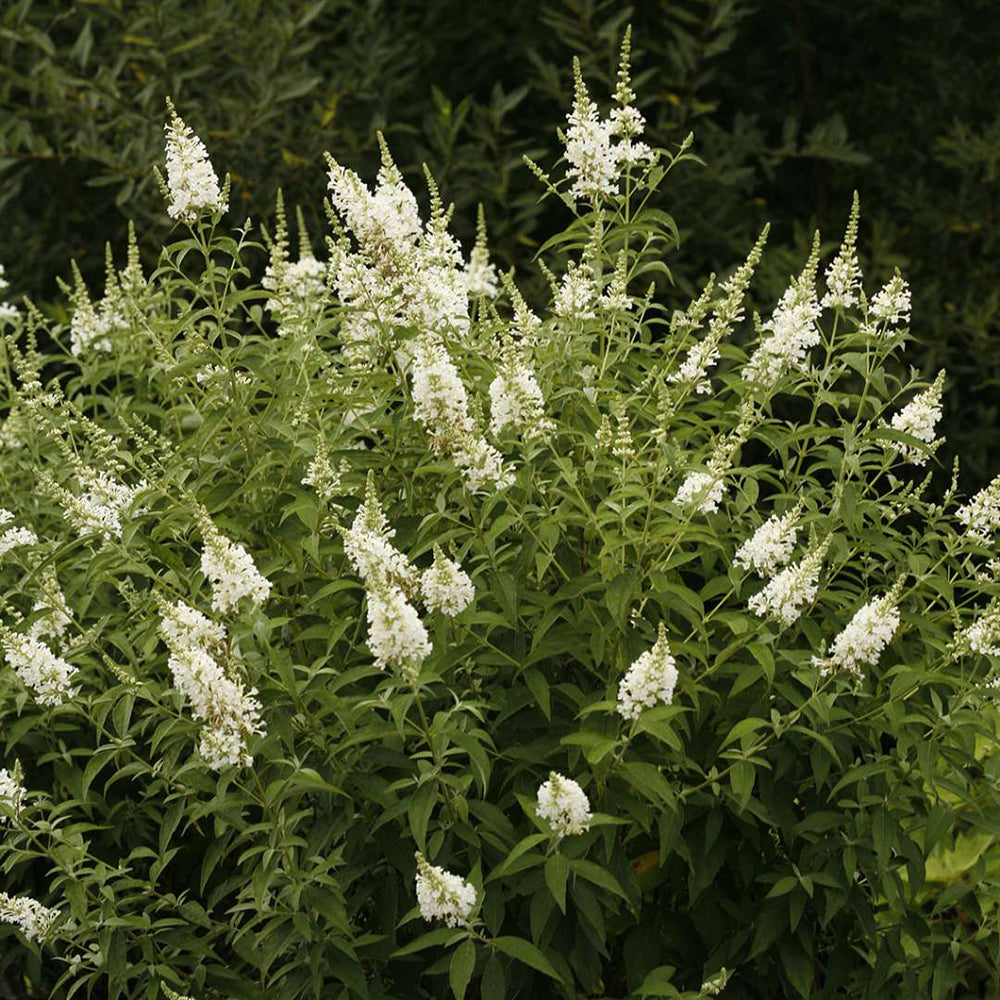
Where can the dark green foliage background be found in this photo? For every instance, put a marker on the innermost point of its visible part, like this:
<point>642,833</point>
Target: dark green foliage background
<point>793,103</point>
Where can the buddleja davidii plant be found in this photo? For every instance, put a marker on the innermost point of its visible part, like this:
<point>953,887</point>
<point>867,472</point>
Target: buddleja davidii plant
<point>792,333</point>
<point>860,548</point>
<point>101,507</point>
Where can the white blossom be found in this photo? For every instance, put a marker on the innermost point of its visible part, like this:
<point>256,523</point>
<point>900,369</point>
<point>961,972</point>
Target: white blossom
<point>771,545</point>
<point>983,635</point>
<point>865,636</point>
<point>792,329</point>
<point>650,680</point>
<point>14,538</point>
<point>918,419</point>
<point>440,401</point>
<point>515,396</point>
<point>891,304</point>
<point>12,794</point>
<point>322,476</point>
<point>100,505</point>
<point>578,293</point>
<point>9,313</point>
<point>34,920</point>
<point>396,635</point>
<point>785,595</point>
<point>595,158</point>
<point>231,571</point>
<point>843,276</point>
<point>369,550</point>
<point>192,185</point>
<point>38,667</point>
<point>480,273</point>
<point>295,286</point>
<point>727,312</point>
<point>481,465</point>
<point>57,618</point>
<point>230,713</point>
<point>563,803</point>
<point>702,490</point>
<point>981,515</point>
<point>183,627</point>
<point>445,586</point>
<point>442,895</point>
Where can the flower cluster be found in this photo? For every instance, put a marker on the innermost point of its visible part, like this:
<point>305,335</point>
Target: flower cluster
<point>48,675</point>
<point>231,571</point>
<point>56,618</point>
<point>12,794</point>
<point>771,545</point>
<point>701,490</point>
<point>595,157</point>
<point>564,805</point>
<point>981,515</point>
<point>396,635</point>
<point>443,896</point>
<point>230,713</point>
<point>575,297</point>
<point>649,681</point>
<point>13,538</point>
<point>34,920</point>
<point>369,550</point>
<point>785,595</point>
<point>891,304</point>
<point>792,329</point>
<point>441,404</point>
<point>727,312</point>
<point>515,396</point>
<point>192,187</point>
<point>843,276</point>
<point>322,476</point>
<point>983,635</point>
<point>401,272</point>
<point>480,273</point>
<point>445,586</point>
<point>298,289</point>
<point>865,636</point>
<point>101,503</point>
<point>918,419</point>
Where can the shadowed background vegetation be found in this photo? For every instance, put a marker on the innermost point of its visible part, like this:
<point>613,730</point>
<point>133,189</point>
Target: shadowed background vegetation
<point>793,103</point>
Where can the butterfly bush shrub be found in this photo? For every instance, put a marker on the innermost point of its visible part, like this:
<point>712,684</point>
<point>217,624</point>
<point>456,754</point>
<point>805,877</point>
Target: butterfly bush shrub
<point>369,631</point>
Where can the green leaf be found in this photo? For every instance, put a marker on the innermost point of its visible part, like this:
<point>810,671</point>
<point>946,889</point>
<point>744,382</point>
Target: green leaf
<point>556,874</point>
<point>520,848</point>
<point>493,985</point>
<point>598,875</point>
<point>419,810</point>
<point>440,935</point>
<point>658,983</point>
<point>619,595</point>
<point>539,687</point>
<point>463,961</point>
<point>526,952</point>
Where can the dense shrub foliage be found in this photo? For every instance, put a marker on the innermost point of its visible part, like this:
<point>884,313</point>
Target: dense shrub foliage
<point>370,633</point>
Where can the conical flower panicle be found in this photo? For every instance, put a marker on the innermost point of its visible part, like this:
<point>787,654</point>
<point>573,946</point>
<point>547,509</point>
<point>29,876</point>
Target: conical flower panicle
<point>771,545</point>
<point>445,586</point>
<point>564,805</point>
<point>442,895</point>
<point>650,681</point>
<point>192,186</point>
